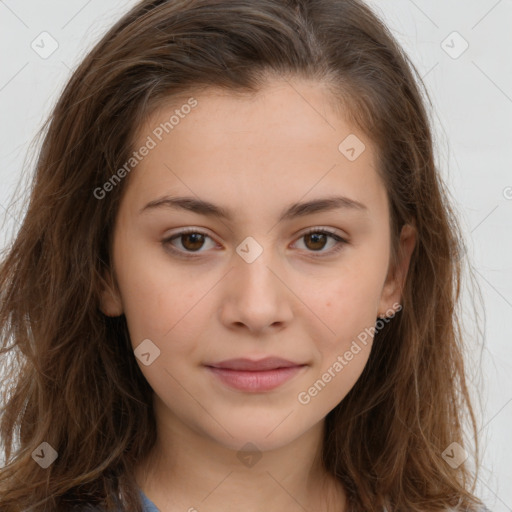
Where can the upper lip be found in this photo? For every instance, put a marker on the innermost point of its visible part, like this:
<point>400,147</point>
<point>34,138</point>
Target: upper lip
<point>267,363</point>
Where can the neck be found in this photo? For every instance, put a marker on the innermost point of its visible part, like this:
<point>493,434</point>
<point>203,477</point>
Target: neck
<point>186,471</point>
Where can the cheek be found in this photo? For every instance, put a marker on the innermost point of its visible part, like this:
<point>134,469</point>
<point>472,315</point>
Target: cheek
<point>161,302</point>
<point>339,367</point>
<point>347,307</point>
<point>347,304</point>
<point>343,351</point>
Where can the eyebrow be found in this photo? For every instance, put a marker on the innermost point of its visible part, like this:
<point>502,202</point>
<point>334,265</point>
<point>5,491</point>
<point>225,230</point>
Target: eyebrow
<point>208,209</point>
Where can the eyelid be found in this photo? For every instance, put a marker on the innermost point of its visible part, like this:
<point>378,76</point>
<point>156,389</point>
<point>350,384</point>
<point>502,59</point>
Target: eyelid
<point>313,229</point>
<point>186,231</point>
<point>327,229</point>
<point>341,241</point>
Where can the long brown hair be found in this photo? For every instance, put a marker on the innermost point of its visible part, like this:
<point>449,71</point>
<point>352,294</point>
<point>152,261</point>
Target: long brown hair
<point>73,381</point>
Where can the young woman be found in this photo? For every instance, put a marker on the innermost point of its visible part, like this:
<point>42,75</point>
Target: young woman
<point>235,285</point>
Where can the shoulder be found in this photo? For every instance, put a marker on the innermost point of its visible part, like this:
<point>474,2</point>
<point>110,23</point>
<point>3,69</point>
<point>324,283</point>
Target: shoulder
<point>482,509</point>
<point>147,504</point>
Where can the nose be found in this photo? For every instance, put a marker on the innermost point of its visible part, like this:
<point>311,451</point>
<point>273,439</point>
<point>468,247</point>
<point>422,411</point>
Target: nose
<point>256,295</point>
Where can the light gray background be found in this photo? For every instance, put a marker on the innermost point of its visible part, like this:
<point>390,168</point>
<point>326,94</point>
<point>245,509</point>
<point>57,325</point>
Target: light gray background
<point>472,97</point>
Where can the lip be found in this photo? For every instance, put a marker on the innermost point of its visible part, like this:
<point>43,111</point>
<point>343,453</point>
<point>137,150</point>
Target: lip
<point>255,376</point>
<point>244,364</point>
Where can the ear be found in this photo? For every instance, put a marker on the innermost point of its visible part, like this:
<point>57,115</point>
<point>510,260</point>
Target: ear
<point>395,280</point>
<point>110,297</point>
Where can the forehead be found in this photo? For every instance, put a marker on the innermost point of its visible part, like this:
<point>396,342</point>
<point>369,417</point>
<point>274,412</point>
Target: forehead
<point>298,111</point>
<point>284,140</point>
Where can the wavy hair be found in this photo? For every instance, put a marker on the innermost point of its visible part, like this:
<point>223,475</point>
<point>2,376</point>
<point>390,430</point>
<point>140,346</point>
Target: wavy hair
<point>72,380</point>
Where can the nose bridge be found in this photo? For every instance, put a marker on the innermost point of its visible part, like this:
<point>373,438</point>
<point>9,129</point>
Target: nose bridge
<point>253,263</point>
<point>255,296</point>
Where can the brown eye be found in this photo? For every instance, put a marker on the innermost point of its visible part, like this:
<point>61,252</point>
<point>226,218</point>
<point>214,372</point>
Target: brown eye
<point>192,241</point>
<point>188,241</point>
<point>316,239</point>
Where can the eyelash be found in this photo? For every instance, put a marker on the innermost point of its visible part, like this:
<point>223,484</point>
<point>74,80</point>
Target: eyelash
<point>316,254</point>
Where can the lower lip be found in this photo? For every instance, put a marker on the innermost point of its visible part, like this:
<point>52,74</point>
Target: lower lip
<point>255,381</point>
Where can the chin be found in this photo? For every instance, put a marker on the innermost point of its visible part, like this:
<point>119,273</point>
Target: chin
<point>270,434</point>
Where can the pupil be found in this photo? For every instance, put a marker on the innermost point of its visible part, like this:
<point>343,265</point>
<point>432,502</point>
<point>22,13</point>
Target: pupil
<point>315,237</point>
<point>196,240</point>
<point>196,244</point>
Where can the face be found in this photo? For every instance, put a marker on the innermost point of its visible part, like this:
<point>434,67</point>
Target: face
<point>252,275</point>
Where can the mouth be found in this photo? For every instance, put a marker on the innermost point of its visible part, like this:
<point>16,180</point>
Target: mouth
<point>255,376</point>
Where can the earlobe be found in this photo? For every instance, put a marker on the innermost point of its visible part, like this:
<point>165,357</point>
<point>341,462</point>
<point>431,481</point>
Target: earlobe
<point>395,281</point>
<point>110,300</point>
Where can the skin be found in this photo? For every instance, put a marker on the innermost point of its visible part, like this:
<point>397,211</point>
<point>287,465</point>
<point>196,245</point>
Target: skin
<point>254,155</point>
